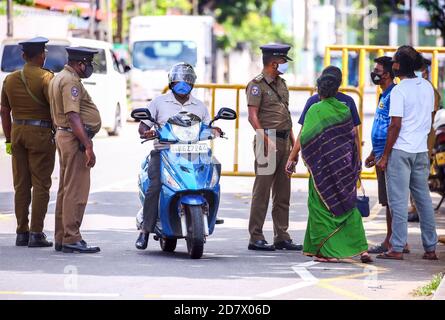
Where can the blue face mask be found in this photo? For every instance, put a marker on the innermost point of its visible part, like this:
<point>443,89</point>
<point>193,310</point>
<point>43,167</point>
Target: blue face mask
<point>182,87</point>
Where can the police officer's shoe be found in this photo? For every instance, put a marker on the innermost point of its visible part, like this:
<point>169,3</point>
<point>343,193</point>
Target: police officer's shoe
<point>261,245</point>
<point>288,245</point>
<point>80,247</point>
<point>22,239</point>
<point>58,246</point>
<point>38,240</point>
<point>142,241</point>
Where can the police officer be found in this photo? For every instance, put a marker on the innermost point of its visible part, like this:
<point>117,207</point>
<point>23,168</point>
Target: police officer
<point>29,139</point>
<point>268,104</point>
<point>77,120</point>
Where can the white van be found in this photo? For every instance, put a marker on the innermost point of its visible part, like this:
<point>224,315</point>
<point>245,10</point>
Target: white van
<point>107,86</point>
<point>157,43</point>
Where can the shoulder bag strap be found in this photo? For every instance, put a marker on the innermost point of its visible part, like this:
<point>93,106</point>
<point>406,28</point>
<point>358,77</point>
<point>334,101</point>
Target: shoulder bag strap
<point>37,100</point>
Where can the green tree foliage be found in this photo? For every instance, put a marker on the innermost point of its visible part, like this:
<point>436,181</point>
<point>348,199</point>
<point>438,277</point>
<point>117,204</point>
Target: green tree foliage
<point>436,10</point>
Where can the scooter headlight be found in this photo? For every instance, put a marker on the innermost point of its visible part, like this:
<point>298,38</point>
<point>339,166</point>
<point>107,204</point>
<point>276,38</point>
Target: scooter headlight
<point>169,180</point>
<point>187,134</point>
<point>215,178</point>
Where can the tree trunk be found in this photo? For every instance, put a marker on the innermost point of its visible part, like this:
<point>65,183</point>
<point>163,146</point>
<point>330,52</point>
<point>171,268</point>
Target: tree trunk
<point>120,12</point>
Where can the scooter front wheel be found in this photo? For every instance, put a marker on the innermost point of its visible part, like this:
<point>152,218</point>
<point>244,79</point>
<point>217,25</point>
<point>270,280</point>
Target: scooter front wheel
<point>168,245</point>
<point>195,231</point>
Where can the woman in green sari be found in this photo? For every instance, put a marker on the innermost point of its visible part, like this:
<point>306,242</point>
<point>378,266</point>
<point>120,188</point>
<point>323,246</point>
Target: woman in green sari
<point>335,228</point>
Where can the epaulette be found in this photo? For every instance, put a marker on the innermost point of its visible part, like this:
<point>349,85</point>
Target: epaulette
<point>258,78</point>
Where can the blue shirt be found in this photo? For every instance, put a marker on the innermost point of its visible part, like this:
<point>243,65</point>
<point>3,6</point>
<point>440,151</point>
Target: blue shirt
<point>381,123</point>
<point>344,98</point>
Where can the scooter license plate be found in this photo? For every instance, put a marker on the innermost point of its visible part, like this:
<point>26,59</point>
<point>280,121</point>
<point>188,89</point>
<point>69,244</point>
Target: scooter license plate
<point>189,148</point>
<point>440,158</point>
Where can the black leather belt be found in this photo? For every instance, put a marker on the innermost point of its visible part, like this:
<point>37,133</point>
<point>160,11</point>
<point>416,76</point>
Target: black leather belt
<point>36,123</point>
<point>282,134</point>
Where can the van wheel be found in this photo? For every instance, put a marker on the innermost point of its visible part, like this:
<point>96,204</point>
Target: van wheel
<point>168,245</point>
<point>117,122</point>
<point>195,231</point>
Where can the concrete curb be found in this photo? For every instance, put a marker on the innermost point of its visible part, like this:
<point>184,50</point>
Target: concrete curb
<point>439,294</point>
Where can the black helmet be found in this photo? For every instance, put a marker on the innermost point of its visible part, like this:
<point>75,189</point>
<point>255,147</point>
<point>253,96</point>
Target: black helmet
<point>182,72</point>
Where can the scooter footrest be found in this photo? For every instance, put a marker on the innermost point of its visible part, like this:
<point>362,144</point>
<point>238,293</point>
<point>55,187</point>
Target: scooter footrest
<point>219,221</point>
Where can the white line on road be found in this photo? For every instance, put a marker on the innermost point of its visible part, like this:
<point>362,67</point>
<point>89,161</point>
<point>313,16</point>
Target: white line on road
<point>308,280</point>
<point>60,294</point>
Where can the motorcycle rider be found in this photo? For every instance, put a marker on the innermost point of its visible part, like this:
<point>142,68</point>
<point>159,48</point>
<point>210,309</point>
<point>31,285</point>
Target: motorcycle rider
<point>181,80</point>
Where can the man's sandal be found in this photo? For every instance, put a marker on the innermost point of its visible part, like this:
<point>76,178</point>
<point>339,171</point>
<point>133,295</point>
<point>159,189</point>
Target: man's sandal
<point>389,256</point>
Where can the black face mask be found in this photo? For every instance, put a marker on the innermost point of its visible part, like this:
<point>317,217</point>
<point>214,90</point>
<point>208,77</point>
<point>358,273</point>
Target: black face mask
<point>88,70</point>
<point>376,78</point>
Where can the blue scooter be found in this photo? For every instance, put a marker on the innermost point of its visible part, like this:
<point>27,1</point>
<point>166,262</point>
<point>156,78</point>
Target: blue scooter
<point>190,193</point>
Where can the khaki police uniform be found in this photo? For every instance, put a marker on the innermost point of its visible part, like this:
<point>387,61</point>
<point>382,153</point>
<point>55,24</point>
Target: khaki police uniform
<point>67,94</point>
<point>33,148</point>
<point>271,97</point>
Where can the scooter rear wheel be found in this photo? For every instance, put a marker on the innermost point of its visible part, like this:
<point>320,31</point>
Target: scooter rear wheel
<point>168,245</point>
<point>195,232</point>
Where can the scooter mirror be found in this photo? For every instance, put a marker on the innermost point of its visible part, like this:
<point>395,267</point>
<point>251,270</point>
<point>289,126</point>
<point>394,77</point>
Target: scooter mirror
<point>226,114</point>
<point>141,114</point>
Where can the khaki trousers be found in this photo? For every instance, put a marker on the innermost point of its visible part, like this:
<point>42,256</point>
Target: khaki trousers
<point>277,180</point>
<point>33,157</point>
<point>74,188</point>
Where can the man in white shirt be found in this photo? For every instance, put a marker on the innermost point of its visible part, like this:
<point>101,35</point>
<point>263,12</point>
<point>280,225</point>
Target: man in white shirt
<point>181,79</point>
<point>405,157</point>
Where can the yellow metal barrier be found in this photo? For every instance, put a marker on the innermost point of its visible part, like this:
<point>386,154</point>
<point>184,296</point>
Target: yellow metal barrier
<point>362,52</point>
<point>238,87</point>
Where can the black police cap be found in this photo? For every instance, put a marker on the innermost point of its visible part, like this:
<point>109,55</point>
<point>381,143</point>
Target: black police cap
<point>81,53</point>
<point>34,45</point>
<point>276,50</point>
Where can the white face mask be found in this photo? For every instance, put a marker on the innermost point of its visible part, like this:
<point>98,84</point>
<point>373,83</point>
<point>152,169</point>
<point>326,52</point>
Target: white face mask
<point>282,68</point>
<point>418,74</point>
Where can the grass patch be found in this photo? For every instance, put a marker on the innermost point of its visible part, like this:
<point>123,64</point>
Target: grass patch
<point>431,287</point>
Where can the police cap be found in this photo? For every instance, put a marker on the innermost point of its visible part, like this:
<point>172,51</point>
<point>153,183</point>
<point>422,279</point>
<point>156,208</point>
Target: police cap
<point>33,46</point>
<point>276,50</point>
<point>81,53</point>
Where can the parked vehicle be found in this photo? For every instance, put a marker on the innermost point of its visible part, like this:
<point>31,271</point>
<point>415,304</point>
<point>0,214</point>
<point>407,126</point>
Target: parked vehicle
<point>189,199</point>
<point>436,179</point>
<point>157,43</point>
<point>107,86</point>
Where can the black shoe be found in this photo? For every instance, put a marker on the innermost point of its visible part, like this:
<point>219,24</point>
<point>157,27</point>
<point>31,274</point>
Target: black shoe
<point>261,245</point>
<point>58,246</point>
<point>38,240</point>
<point>288,245</point>
<point>22,239</point>
<point>413,217</point>
<point>142,241</point>
<point>80,247</point>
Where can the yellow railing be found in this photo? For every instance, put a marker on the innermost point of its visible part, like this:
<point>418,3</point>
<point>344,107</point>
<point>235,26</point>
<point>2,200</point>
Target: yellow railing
<point>238,87</point>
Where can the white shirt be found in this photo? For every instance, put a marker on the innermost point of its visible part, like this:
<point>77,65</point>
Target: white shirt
<point>166,106</point>
<point>413,101</point>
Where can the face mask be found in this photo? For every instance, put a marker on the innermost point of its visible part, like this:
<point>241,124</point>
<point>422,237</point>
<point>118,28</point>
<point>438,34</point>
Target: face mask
<point>182,87</point>
<point>376,78</point>
<point>418,74</point>
<point>88,70</point>
<point>282,68</point>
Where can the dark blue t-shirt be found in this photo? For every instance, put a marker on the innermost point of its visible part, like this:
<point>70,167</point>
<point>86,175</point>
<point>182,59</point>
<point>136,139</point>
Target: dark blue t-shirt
<point>344,98</point>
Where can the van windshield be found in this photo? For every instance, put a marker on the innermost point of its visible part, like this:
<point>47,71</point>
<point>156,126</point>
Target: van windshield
<point>56,58</point>
<point>151,55</point>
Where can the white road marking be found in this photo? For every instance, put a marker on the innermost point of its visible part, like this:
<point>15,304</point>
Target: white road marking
<point>60,294</point>
<point>197,296</point>
<point>308,280</point>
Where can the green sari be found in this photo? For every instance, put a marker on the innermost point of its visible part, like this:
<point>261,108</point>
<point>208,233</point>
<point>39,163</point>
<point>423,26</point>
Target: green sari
<point>329,235</point>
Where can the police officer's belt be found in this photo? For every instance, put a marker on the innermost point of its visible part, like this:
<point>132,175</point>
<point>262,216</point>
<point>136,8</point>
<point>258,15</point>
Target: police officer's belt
<point>88,130</point>
<point>36,123</point>
<point>283,134</point>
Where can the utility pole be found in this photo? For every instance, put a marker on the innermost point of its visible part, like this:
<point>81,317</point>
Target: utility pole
<point>195,7</point>
<point>92,26</point>
<point>120,12</point>
<point>413,33</point>
<point>9,12</point>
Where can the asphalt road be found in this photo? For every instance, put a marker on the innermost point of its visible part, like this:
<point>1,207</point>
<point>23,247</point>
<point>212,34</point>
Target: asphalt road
<point>227,270</point>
